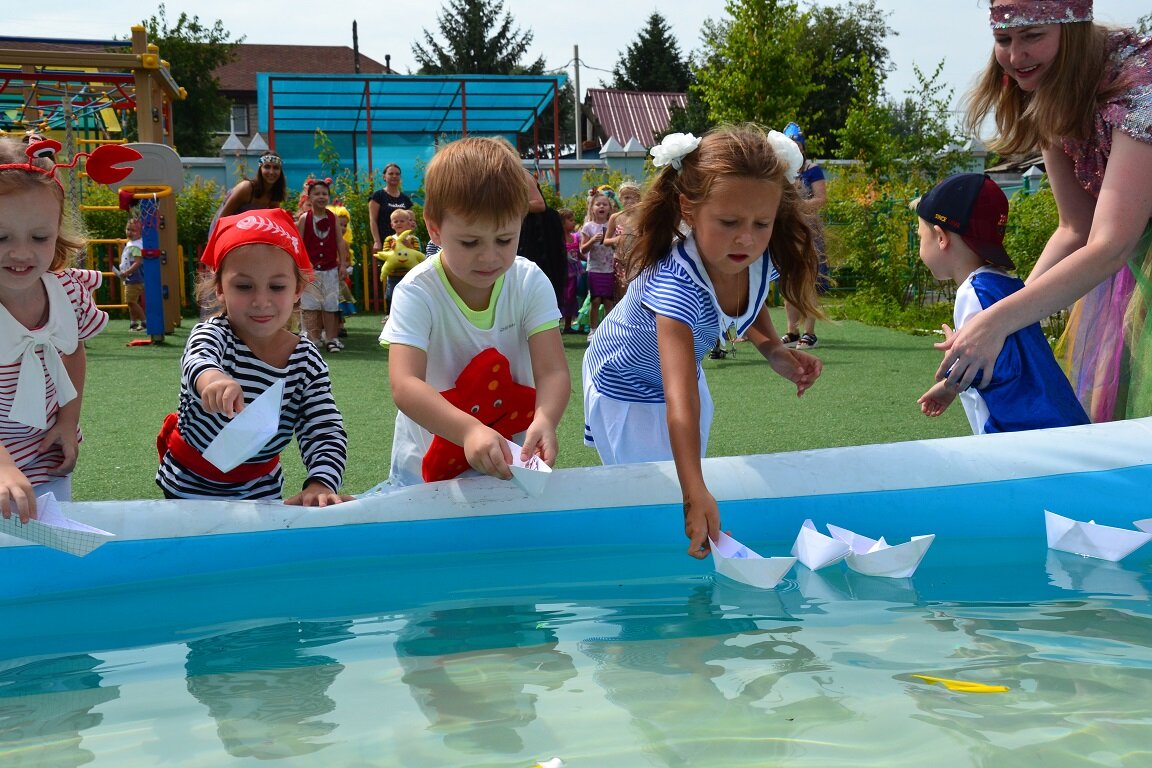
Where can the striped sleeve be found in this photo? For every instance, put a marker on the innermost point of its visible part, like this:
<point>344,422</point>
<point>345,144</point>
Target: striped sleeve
<point>319,426</point>
<point>90,319</point>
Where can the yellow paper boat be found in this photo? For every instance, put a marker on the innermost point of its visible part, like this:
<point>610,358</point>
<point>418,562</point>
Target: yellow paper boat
<point>962,686</point>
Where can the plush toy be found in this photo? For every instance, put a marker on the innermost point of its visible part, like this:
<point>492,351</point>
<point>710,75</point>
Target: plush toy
<point>486,390</point>
<point>400,253</point>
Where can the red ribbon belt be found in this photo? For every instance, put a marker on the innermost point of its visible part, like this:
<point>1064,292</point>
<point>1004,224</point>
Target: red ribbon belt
<point>171,441</point>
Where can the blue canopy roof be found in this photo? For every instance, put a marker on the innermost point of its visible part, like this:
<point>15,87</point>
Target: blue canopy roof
<point>405,104</point>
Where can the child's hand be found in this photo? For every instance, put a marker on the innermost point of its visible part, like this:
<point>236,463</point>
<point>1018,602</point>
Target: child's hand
<point>63,435</point>
<point>487,451</point>
<point>800,368</point>
<point>540,440</point>
<point>16,493</point>
<point>316,494</point>
<point>937,399</point>
<point>701,522</point>
<point>222,395</point>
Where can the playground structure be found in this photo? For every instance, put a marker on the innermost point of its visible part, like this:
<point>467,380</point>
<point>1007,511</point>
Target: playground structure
<point>81,98</point>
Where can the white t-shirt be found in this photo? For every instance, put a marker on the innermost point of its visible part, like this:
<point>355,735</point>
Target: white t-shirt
<point>428,314</point>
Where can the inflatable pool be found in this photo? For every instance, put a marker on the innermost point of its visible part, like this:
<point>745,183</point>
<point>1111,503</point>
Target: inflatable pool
<point>499,623</point>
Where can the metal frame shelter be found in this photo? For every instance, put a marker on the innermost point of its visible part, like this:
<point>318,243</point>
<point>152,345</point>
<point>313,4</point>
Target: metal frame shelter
<point>377,119</point>
<point>84,82</point>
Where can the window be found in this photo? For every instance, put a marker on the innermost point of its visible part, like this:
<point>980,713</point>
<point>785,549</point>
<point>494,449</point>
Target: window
<point>237,121</point>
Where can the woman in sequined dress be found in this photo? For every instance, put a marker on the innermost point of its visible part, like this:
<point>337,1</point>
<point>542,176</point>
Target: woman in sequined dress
<point>1082,93</point>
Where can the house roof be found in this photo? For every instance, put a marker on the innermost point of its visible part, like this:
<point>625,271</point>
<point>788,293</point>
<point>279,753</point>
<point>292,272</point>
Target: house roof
<point>623,115</point>
<point>240,73</point>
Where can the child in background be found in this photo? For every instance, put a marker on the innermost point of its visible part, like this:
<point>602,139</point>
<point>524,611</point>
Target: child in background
<point>962,222</point>
<point>46,313</point>
<point>476,294</point>
<point>325,246</point>
<point>131,272</point>
<point>347,299</point>
<point>619,234</point>
<point>259,270</point>
<point>601,274</point>
<point>645,396</point>
<point>570,307</point>
<point>401,220</point>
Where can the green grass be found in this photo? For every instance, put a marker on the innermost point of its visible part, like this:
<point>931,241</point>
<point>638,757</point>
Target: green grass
<point>867,394</point>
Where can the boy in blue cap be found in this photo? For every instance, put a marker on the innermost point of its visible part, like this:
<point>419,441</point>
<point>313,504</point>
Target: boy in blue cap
<point>962,223</point>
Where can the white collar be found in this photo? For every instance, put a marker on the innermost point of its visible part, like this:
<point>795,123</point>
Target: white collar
<point>18,344</point>
<point>687,256</point>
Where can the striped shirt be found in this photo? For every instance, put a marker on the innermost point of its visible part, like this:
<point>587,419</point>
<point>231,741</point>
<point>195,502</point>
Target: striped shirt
<point>308,411</point>
<point>20,440</point>
<point>623,358</point>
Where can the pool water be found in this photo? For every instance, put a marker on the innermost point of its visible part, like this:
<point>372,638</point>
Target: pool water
<point>605,657</point>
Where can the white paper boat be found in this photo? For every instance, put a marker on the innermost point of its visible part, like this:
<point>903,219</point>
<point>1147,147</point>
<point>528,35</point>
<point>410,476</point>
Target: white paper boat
<point>817,550</point>
<point>1090,539</point>
<point>876,557</point>
<point>248,432</point>
<point>531,475</point>
<point>54,529</point>
<point>1144,525</point>
<point>738,562</point>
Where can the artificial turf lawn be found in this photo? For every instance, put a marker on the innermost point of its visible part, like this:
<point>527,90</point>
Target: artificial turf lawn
<point>867,394</point>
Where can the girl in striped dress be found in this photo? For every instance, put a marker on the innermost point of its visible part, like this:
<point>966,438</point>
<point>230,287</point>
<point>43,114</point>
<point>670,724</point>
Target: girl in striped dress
<point>46,314</point>
<point>258,273</point>
<point>720,212</point>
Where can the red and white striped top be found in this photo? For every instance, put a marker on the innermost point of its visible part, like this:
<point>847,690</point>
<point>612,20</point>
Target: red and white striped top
<point>20,440</point>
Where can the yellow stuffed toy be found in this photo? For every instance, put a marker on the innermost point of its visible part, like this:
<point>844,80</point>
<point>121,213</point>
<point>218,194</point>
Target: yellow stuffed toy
<point>400,253</point>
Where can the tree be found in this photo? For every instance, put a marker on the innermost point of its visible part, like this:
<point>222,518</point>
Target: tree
<point>477,41</point>
<point>841,39</point>
<point>758,70</point>
<point>194,52</point>
<point>653,62</point>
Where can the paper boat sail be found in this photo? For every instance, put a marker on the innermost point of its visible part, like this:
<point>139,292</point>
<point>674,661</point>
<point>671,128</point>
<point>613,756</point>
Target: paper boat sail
<point>817,550</point>
<point>532,475</point>
<point>738,562</point>
<point>876,557</point>
<point>1092,540</point>
<point>248,431</point>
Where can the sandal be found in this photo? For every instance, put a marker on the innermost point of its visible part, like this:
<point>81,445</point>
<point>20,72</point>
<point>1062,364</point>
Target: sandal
<point>789,339</point>
<point>335,346</point>
<point>808,341</point>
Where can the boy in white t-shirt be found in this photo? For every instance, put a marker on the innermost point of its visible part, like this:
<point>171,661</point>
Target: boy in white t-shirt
<point>450,311</point>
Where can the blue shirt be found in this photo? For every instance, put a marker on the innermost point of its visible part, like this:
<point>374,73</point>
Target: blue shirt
<point>1028,388</point>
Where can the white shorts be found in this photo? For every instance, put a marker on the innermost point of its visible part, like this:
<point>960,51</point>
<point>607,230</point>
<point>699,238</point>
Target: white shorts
<point>629,433</point>
<point>323,293</point>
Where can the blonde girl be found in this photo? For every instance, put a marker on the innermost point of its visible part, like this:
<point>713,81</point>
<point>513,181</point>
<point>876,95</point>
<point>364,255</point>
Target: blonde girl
<point>46,313</point>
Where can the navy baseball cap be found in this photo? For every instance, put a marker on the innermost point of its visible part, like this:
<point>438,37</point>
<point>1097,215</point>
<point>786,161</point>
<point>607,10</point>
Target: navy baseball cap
<point>974,207</point>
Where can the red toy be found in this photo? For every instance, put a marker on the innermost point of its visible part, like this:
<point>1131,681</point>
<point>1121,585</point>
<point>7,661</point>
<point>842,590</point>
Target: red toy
<point>486,390</point>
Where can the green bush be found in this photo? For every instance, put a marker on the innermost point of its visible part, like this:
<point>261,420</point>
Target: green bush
<point>1031,221</point>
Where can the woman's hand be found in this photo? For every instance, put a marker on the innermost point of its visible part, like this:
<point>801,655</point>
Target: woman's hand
<point>970,353</point>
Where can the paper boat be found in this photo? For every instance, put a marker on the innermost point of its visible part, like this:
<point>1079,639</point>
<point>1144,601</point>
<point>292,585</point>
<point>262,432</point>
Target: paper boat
<point>52,528</point>
<point>1090,539</point>
<point>1144,525</point>
<point>737,562</point>
<point>248,432</point>
<point>876,557</point>
<point>531,475</point>
<point>817,550</point>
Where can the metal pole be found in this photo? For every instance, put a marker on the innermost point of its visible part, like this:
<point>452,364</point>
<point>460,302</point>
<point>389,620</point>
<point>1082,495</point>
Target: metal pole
<point>576,83</point>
